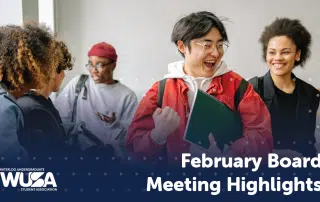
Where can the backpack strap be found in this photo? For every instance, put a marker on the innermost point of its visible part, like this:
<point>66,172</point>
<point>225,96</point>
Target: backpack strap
<point>161,88</point>
<point>79,86</point>
<point>256,83</point>
<point>240,92</point>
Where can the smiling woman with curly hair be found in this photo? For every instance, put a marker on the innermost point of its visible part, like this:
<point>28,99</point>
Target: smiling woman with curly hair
<point>292,102</point>
<point>28,60</point>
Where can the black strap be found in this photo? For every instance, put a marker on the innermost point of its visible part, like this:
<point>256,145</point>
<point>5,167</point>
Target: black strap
<point>255,83</point>
<point>240,92</point>
<point>161,88</point>
<point>79,86</point>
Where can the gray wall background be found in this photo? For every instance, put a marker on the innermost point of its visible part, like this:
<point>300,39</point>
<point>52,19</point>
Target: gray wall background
<point>30,10</point>
<point>10,12</point>
<point>140,30</point>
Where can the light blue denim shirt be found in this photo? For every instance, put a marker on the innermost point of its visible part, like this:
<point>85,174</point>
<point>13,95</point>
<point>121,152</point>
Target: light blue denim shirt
<point>11,124</point>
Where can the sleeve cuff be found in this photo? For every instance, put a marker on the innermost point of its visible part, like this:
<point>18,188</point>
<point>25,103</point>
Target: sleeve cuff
<point>154,142</point>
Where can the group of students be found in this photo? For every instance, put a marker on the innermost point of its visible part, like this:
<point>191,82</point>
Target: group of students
<point>278,110</point>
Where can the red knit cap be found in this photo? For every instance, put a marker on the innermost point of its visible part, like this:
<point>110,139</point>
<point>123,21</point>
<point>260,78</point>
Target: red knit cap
<point>105,50</point>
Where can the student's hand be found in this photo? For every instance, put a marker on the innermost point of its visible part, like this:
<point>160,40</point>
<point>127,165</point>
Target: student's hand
<point>287,153</point>
<point>166,122</point>
<point>109,118</point>
<point>212,151</point>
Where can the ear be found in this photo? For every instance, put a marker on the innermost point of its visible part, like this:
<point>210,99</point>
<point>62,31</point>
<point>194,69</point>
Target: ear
<point>298,54</point>
<point>181,47</point>
<point>114,65</point>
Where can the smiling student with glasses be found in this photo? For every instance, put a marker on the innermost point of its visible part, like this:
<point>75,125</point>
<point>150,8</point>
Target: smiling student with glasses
<point>202,41</point>
<point>208,46</point>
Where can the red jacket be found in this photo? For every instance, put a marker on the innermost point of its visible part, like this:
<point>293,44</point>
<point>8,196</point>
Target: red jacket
<point>257,138</point>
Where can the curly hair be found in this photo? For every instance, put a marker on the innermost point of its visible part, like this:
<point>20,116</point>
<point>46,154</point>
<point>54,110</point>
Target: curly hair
<point>291,28</point>
<point>27,56</point>
<point>67,61</point>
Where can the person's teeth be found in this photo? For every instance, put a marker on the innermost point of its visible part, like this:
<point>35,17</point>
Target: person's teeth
<point>211,61</point>
<point>278,65</point>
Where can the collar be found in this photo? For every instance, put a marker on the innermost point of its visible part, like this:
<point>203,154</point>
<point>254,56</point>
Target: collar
<point>215,86</point>
<point>269,88</point>
<point>4,91</point>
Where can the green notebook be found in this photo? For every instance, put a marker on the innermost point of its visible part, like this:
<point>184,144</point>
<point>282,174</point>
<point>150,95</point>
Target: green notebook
<point>209,115</point>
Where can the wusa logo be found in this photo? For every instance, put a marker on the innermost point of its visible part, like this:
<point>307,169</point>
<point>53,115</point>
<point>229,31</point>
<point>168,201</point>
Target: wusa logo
<point>29,181</point>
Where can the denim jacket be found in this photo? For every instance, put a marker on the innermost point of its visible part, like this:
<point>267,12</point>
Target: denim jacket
<point>11,124</point>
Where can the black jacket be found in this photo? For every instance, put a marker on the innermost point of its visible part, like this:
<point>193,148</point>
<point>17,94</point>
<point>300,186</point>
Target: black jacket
<point>306,111</point>
<point>43,134</point>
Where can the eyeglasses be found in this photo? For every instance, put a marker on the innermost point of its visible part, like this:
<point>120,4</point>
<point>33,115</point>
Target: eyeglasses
<point>97,67</point>
<point>208,47</point>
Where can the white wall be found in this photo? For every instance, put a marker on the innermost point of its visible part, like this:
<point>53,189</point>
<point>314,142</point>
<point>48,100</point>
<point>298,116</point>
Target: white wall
<point>46,13</point>
<point>10,12</point>
<point>140,31</point>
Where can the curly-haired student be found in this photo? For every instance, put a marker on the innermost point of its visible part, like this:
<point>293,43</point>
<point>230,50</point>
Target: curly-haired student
<point>27,58</point>
<point>43,134</point>
<point>292,102</point>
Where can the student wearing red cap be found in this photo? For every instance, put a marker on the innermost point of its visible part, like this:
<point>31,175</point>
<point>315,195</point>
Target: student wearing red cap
<point>105,105</point>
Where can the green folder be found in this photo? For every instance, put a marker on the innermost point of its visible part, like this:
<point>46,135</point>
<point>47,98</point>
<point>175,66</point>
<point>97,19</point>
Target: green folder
<point>209,115</point>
